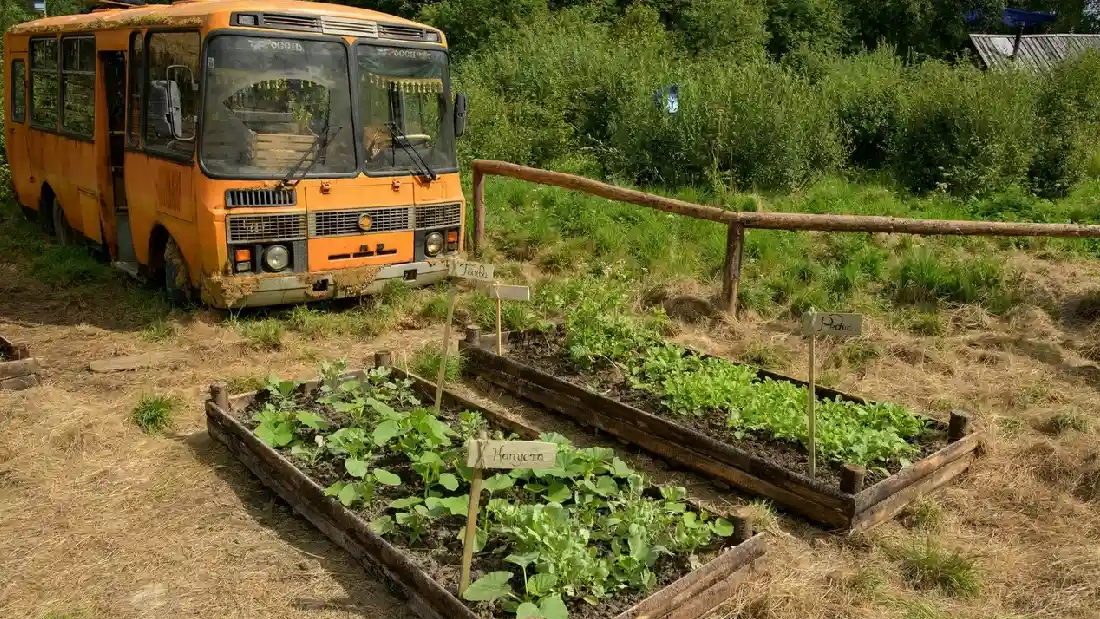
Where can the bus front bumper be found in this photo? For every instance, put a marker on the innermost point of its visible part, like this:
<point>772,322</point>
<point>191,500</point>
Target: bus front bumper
<point>236,291</point>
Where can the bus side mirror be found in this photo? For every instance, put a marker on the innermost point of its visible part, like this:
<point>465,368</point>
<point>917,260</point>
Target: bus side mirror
<point>460,114</point>
<point>165,109</point>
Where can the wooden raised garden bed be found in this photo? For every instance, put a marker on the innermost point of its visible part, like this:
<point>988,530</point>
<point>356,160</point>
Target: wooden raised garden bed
<point>773,469</point>
<point>18,369</point>
<point>427,578</point>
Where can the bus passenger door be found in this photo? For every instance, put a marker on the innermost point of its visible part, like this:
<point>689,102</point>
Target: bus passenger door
<point>114,83</point>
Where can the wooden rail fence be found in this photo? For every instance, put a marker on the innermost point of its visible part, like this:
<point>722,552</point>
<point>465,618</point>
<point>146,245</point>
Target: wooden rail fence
<point>737,222</point>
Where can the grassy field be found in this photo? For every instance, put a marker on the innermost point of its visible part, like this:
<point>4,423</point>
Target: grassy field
<point>91,464</point>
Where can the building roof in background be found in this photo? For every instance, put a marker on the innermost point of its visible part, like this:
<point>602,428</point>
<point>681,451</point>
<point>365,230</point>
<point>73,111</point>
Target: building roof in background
<point>1037,51</point>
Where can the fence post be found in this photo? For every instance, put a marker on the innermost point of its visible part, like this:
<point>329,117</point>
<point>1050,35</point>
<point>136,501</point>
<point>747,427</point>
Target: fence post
<point>731,275</point>
<point>479,209</point>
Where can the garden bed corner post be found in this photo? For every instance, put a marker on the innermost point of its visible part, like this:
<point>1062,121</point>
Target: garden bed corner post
<point>731,275</point>
<point>479,209</point>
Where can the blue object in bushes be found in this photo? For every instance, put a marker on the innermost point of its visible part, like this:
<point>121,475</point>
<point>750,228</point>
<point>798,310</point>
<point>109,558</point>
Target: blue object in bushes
<point>669,100</point>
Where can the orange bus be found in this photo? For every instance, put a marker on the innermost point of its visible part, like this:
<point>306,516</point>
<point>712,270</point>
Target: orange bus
<point>244,152</point>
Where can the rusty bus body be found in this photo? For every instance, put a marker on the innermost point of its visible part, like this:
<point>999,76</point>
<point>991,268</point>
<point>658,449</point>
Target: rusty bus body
<point>246,152</point>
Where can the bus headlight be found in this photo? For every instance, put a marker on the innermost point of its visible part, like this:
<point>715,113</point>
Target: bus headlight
<point>276,258</point>
<point>433,244</point>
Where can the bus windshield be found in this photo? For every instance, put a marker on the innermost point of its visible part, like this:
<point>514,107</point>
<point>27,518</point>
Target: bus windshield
<point>403,103</point>
<point>274,102</point>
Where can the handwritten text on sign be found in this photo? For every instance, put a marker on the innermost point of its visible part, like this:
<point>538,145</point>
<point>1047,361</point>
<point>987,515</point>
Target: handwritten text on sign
<point>832,324</point>
<point>512,455</point>
<point>472,270</point>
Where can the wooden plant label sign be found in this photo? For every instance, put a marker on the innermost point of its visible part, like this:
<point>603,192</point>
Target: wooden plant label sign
<point>824,323</point>
<point>472,270</point>
<point>512,455</point>
<point>510,293</point>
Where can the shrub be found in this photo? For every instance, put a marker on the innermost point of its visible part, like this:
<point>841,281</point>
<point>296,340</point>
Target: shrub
<point>870,92</point>
<point>754,125</point>
<point>1069,127</point>
<point>967,132</point>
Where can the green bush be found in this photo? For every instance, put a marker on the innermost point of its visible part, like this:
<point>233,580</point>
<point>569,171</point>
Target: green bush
<point>967,132</point>
<point>870,93</point>
<point>1068,127</point>
<point>752,125</point>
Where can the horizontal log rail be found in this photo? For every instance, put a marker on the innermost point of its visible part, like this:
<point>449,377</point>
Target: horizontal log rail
<point>737,221</point>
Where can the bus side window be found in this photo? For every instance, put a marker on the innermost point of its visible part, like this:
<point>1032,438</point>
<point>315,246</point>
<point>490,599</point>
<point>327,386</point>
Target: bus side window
<point>78,85</point>
<point>172,104</point>
<point>18,91</point>
<point>44,88</point>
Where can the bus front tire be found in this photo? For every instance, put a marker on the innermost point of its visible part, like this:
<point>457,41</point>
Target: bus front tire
<point>177,281</point>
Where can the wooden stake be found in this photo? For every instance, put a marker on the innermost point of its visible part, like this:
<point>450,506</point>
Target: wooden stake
<point>959,426</point>
<point>500,336</point>
<point>810,404</point>
<point>851,478</point>
<point>471,525</point>
<point>731,274</point>
<point>446,350</point>
<point>383,358</point>
<point>219,393</point>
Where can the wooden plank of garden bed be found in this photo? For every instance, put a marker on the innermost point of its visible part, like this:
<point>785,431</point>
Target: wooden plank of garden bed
<point>895,503</point>
<point>430,600</point>
<point>657,444</point>
<point>691,597</point>
<point>680,598</point>
<point>916,472</point>
<point>657,434</point>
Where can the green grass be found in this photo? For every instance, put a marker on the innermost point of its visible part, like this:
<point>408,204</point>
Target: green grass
<point>244,383</point>
<point>926,565</point>
<point>1068,421</point>
<point>260,333</point>
<point>783,273</point>
<point>159,330</point>
<point>153,413</point>
<point>924,514</point>
<point>425,363</point>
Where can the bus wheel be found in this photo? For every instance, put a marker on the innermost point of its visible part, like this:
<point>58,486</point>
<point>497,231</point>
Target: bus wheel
<point>61,227</point>
<point>177,282</point>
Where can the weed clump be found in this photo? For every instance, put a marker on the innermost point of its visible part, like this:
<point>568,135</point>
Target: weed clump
<point>153,414</point>
<point>928,566</point>
<point>426,364</point>
<point>262,334</point>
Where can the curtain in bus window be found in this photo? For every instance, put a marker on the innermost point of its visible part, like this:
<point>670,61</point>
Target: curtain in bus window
<point>78,86</point>
<point>18,91</point>
<point>44,83</point>
<point>173,59</point>
<point>405,88</point>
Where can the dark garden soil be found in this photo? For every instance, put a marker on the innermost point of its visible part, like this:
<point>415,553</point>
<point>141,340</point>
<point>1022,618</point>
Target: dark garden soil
<point>439,555</point>
<point>545,351</point>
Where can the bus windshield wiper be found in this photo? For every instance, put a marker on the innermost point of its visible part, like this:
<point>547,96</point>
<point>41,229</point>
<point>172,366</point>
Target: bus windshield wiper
<point>403,141</point>
<point>319,145</point>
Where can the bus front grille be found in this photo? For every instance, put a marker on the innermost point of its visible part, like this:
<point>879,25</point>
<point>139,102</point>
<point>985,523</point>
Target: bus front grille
<point>348,223</point>
<point>260,197</point>
<point>438,216</point>
<point>266,228</point>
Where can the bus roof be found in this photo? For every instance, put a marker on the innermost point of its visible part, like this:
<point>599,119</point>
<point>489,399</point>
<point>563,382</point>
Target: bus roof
<point>191,13</point>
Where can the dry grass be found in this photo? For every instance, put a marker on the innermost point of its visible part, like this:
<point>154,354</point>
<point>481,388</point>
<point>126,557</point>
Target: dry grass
<point>102,521</point>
